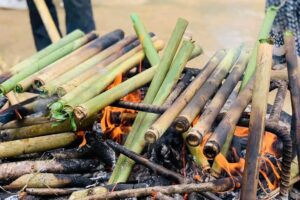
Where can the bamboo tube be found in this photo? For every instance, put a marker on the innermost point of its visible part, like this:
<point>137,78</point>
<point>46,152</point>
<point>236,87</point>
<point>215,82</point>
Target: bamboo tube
<point>14,170</point>
<point>26,121</point>
<point>103,67</point>
<point>264,33</point>
<point>77,57</point>
<point>170,80</point>
<point>78,71</point>
<point>37,144</point>
<point>226,127</point>
<point>9,84</point>
<point>207,118</point>
<point>99,83</point>
<point>165,120</point>
<point>193,108</point>
<point>11,96</point>
<point>143,35</point>
<point>163,68</point>
<point>294,85</point>
<point>47,20</point>
<point>45,180</point>
<point>257,120</point>
<point>198,156</point>
<point>46,51</point>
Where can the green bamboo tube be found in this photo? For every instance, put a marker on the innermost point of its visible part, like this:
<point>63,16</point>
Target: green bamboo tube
<point>97,84</point>
<point>165,120</point>
<point>185,52</point>
<point>145,39</point>
<point>196,104</point>
<point>77,57</point>
<point>103,67</point>
<point>115,49</point>
<point>264,33</point>
<point>37,144</point>
<point>198,156</point>
<point>9,84</point>
<point>42,129</point>
<point>207,118</point>
<point>163,68</point>
<point>46,51</point>
<point>257,120</point>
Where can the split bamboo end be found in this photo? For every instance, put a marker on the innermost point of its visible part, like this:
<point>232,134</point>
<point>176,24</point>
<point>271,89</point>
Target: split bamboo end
<point>211,149</point>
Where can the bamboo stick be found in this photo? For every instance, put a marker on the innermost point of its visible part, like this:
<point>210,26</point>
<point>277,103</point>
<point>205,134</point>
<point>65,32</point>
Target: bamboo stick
<point>207,118</point>
<point>14,170</point>
<point>77,57</point>
<point>51,191</point>
<point>10,84</point>
<point>165,120</point>
<point>99,83</point>
<point>193,108</point>
<point>163,68</point>
<point>143,35</point>
<point>226,127</point>
<point>170,80</point>
<point>294,84</point>
<point>37,144</point>
<point>46,51</point>
<point>47,20</point>
<point>101,68</point>
<point>257,120</point>
<point>264,33</point>
<point>45,180</point>
<point>78,71</point>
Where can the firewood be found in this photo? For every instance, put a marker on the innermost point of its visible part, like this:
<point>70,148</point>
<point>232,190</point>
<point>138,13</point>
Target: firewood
<point>14,170</point>
<point>46,180</point>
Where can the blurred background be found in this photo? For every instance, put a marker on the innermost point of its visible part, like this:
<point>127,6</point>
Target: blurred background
<point>214,24</point>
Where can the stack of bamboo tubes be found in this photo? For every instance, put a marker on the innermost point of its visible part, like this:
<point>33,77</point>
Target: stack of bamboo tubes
<point>73,78</point>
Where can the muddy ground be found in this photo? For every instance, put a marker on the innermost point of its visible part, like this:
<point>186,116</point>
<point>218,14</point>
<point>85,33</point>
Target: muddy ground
<point>214,24</point>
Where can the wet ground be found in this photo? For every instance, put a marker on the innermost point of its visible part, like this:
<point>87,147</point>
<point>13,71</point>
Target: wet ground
<point>214,24</point>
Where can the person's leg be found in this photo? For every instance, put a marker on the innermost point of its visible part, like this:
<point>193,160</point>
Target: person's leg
<point>79,15</point>
<point>40,35</point>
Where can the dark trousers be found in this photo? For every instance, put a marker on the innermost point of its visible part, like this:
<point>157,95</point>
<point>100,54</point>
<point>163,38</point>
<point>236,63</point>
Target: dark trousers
<point>79,15</point>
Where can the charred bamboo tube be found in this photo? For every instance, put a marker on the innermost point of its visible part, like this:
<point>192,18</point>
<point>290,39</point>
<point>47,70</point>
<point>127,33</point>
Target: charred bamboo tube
<point>108,64</point>
<point>10,84</point>
<point>46,180</point>
<point>88,91</point>
<point>184,53</point>
<point>47,20</point>
<point>193,108</point>
<point>147,163</point>
<point>294,84</point>
<point>41,129</point>
<point>264,33</point>
<point>218,185</point>
<point>26,121</point>
<point>226,127</point>
<point>201,128</point>
<point>36,144</point>
<point>164,121</point>
<point>46,51</point>
<point>14,170</point>
<point>77,57</point>
<point>163,68</point>
<point>116,50</point>
<point>145,39</point>
<point>51,191</point>
<point>257,120</point>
